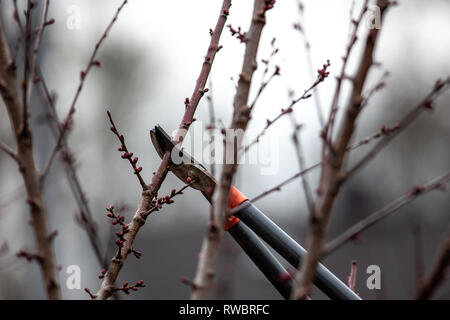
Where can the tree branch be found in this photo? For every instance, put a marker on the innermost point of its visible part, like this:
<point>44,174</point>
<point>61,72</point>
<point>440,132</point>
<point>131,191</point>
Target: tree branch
<point>10,152</point>
<point>208,257</point>
<point>10,93</point>
<point>426,104</point>
<point>332,175</point>
<point>393,206</point>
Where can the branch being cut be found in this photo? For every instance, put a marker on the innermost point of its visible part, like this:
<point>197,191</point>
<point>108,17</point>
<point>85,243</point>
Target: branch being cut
<point>208,256</point>
<point>145,203</point>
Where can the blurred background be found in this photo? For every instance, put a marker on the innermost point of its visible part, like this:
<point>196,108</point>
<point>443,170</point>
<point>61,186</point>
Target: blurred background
<point>150,62</point>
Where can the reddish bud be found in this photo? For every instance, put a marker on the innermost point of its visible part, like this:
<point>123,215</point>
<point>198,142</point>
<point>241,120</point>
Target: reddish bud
<point>49,22</point>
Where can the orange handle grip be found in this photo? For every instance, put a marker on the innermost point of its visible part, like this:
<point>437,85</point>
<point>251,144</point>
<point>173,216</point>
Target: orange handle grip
<point>235,200</point>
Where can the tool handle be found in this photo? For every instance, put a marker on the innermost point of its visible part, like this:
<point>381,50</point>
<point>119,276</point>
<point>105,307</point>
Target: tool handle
<point>262,257</point>
<point>281,242</point>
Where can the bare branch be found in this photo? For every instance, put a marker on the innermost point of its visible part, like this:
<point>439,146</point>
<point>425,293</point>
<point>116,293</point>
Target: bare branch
<point>301,161</point>
<point>9,90</point>
<point>328,130</point>
<point>426,104</point>
<point>10,152</point>
<point>436,184</point>
<point>241,116</point>
<point>306,95</point>
<point>299,27</point>
<point>333,161</point>
<point>210,128</point>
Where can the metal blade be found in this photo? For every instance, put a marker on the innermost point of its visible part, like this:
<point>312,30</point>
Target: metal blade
<point>183,164</point>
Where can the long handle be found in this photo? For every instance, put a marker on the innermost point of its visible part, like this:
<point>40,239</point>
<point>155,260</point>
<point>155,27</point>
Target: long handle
<point>292,251</point>
<point>256,250</point>
<point>262,257</point>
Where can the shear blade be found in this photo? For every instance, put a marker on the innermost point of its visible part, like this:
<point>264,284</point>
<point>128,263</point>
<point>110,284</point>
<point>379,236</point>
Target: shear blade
<point>184,165</point>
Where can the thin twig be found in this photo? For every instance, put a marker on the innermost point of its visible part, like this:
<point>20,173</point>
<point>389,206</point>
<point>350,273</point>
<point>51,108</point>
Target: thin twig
<point>298,26</point>
<point>126,153</point>
<point>438,273</point>
<point>67,122</point>
<point>328,131</point>
<point>10,152</point>
<point>34,58</point>
<point>26,70</point>
<point>306,94</point>
<point>301,161</point>
<point>211,127</point>
<point>352,276</point>
<point>436,184</point>
<point>275,73</point>
<point>84,217</point>
<point>426,104</point>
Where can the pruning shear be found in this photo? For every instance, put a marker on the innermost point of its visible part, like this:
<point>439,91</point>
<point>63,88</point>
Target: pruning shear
<point>249,225</point>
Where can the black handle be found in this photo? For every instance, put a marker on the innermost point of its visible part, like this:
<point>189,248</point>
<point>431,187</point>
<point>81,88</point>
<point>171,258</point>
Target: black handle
<point>281,242</point>
<point>262,257</point>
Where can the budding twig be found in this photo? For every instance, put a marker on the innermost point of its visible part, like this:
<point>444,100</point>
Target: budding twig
<point>322,75</point>
<point>439,88</point>
<point>127,154</point>
<point>417,191</point>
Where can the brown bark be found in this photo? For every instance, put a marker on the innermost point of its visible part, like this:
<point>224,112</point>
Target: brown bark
<point>44,255</point>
